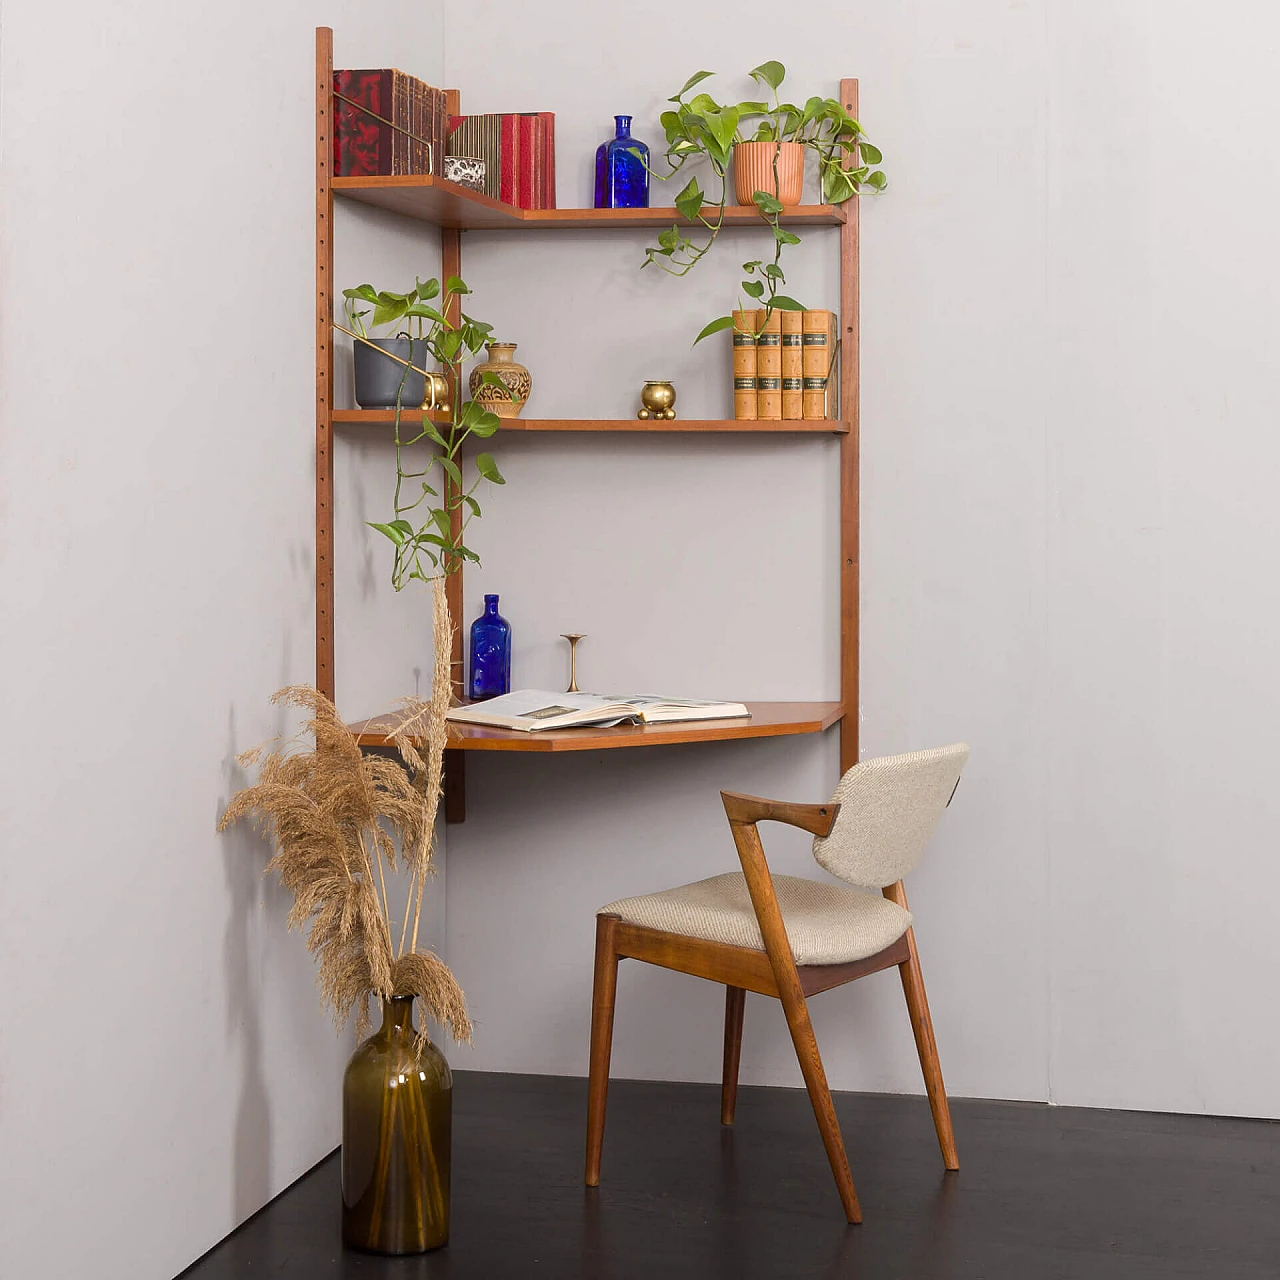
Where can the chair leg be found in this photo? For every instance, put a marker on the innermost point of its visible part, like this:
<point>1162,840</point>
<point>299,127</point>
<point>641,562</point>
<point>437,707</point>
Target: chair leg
<point>603,994</point>
<point>735,1004</point>
<point>927,1048</point>
<point>815,1081</point>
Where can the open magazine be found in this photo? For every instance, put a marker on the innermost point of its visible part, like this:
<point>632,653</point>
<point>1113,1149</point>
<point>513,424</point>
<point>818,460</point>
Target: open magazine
<point>530,710</point>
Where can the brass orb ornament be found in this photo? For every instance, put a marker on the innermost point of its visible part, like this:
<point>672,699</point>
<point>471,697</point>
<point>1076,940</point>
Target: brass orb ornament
<point>659,401</point>
<point>437,399</point>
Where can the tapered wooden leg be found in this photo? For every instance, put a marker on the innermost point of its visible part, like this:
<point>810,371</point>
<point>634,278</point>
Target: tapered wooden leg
<point>815,1080</point>
<point>735,1004</point>
<point>926,1045</point>
<point>603,994</point>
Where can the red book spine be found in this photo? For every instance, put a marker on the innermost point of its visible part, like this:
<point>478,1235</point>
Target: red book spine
<point>528,156</point>
<point>509,177</point>
<point>361,142</point>
<point>548,119</point>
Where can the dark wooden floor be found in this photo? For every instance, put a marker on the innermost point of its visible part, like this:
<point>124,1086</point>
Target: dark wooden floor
<point>1043,1193</point>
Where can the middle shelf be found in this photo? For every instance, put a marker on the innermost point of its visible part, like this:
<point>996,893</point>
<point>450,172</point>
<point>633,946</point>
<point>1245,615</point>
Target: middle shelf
<point>800,426</point>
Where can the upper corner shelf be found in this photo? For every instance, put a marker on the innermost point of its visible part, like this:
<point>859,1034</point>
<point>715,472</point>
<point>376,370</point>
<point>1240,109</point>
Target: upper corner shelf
<point>445,204</point>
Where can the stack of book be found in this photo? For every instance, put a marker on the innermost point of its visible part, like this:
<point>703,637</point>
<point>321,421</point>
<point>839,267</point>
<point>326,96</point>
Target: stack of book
<point>519,151</point>
<point>387,123</point>
<point>782,368</point>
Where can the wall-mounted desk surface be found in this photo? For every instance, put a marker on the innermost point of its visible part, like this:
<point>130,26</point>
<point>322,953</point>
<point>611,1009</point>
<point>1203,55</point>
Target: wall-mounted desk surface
<point>767,720</point>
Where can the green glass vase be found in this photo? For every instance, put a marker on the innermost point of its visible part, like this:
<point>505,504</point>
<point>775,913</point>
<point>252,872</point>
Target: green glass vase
<point>397,1117</point>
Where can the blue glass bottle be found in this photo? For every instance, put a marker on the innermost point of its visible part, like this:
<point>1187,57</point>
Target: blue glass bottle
<point>490,653</point>
<point>622,170</point>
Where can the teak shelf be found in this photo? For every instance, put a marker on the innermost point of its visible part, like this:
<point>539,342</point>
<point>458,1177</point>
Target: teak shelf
<point>723,426</point>
<point>455,209</point>
<point>445,204</point>
<point>768,720</point>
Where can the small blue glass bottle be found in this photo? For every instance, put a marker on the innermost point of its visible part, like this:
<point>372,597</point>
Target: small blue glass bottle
<point>490,653</point>
<point>622,170</point>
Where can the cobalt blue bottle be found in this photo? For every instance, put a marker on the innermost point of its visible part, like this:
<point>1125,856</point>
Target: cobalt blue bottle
<point>490,653</point>
<point>622,170</point>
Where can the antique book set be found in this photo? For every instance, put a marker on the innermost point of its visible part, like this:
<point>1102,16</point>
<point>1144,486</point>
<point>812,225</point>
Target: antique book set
<point>751,931</point>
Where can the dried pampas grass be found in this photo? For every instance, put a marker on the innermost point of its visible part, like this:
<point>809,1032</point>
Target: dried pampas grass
<point>340,820</point>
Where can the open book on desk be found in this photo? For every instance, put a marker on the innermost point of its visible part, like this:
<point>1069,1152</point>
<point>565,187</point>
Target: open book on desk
<point>530,710</point>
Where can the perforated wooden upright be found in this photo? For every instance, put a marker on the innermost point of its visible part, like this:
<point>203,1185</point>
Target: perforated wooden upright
<point>454,209</point>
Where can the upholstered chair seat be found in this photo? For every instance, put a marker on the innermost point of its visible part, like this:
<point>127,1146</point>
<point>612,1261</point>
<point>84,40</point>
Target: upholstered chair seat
<point>825,923</point>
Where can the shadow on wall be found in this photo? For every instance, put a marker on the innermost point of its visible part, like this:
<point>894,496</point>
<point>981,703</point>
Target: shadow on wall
<point>254,903</point>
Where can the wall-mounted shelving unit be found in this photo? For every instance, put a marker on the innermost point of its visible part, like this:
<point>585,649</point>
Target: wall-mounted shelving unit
<point>455,209</point>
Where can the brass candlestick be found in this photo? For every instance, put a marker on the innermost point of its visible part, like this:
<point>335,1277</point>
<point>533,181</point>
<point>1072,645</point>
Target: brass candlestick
<point>573,637</point>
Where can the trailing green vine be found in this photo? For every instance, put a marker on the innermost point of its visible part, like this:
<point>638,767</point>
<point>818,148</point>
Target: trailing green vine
<point>699,127</point>
<point>429,502</point>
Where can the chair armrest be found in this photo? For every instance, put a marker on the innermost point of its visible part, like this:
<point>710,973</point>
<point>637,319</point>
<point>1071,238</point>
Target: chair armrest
<point>746,810</point>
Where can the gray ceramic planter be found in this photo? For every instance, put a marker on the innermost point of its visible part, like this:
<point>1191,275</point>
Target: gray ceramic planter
<point>378,378</point>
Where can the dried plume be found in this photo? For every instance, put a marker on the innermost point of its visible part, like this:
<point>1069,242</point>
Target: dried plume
<point>337,818</point>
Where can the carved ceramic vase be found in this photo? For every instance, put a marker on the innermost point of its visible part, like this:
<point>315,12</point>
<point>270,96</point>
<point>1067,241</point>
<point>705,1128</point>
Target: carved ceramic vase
<point>515,377</point>
<point>753,170</point>
<point>397,1116</point>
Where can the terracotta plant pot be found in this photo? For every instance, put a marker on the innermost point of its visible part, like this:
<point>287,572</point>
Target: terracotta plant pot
<point>753,170</point>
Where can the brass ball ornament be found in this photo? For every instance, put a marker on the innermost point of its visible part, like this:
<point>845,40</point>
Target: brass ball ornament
<point>659,400</point>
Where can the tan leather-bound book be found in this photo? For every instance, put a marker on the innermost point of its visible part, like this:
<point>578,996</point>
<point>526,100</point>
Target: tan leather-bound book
<point>769,368</point>
<point>744,365</point>
<point>792,365</point>
<point>816,347</point>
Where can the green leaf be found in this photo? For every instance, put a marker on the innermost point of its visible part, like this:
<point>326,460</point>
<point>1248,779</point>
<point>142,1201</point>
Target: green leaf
<point>365,292</point>
<point>753,288</point>
<point>440,518</point>
<point>456,284</point>
<point>767,203</point>
<point>490,379</point>
<point>472,503</point>
<point>432,432</point>
<point>387,531</point>
<point>872,155</point>
<point>782,303</point>
<point>773,271</point>
<point>877,180</point>
<point>783,236</point>
<point>689,201</point>
<point>486,424</point>
<point>696,78</point>
<point>389,312</point>
<point>721,322</point>
<point>486,466</point>
<point>452,470</point>
<point>771,73</point>
<point>427,289</point>
<point>429,313</point>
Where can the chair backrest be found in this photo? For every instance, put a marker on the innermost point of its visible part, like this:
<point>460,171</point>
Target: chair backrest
<point>888,810</point>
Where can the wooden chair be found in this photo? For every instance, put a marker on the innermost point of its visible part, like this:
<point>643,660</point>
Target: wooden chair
<point>791,938</point>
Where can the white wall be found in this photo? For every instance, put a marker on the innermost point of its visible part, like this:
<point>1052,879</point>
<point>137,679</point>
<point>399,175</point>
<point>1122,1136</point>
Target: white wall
<point>1068,519</point>
<point>709,566</point>
<point>1069,544</point>
<point>165,1066</point>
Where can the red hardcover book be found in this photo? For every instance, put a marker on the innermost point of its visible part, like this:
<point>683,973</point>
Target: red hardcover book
<point>526,186</point>
<point>539,163</point>
<point>361,142</point>
<point>548,119</point>
<point>509,177</point>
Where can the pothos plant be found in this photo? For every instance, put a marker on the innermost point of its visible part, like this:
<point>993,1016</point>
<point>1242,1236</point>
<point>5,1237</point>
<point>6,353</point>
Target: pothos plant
<point>429,541</point>
<point>700,127</point>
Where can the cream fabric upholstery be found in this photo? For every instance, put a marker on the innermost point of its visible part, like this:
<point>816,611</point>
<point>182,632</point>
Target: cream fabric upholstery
<point>888,810</point>
<point>826,923</point>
